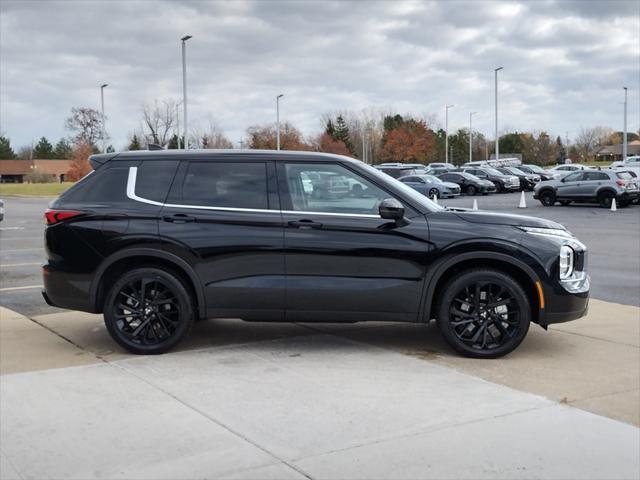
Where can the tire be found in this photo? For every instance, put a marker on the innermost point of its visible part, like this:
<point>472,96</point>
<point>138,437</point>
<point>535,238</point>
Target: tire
<point>471,190</point>
<point>605,199</point>
<point>165,320</point>
<point>624,202</point>
<point>547,198</point>
<point>499,187</point>
<point>474,330</point>
<point>434,191</point>
<point>564,203</point>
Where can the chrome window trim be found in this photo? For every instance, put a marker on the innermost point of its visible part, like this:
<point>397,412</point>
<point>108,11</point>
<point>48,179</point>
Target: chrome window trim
<point>131,193</point>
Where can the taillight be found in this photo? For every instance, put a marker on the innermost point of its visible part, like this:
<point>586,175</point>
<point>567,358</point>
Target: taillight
<point>56,216</point>
<point>622,183</point>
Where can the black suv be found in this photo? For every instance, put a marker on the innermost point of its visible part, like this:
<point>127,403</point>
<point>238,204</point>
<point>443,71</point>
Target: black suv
<point>157,240</point>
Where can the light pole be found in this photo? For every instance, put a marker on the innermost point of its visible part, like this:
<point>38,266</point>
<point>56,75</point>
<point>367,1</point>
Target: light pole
<point>471,114</point>
<point>624,134</point>
<point>178,124</point>
<point>495,72</point>
<point>278,121</point>
<point>184,88</point>
<point>103,130</point>
<point>446,132</point>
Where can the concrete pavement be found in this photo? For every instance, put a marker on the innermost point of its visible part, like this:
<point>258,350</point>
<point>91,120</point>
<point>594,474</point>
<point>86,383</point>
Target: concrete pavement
<point>243,400</point>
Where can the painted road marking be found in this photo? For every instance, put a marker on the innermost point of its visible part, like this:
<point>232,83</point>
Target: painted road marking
<point>11,228</point>
<point>28,287</point>
<point>20,264</point>
<point>20,250</point>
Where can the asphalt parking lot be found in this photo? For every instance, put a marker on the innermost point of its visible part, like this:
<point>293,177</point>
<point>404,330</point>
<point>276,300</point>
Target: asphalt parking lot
<point>251,400</point>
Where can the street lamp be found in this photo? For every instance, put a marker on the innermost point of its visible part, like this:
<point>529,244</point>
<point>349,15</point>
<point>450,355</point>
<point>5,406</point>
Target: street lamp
<point>446,132</point>
<point>103,132</point>
<point>495,72</point>
<point>178,124</point>
<point>624,135</point>
<point>278,121</point>
<point>471,114</point>
<point>184,88</point>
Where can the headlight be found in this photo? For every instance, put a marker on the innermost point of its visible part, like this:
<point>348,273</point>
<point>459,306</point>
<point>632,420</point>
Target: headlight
<point>566,262</point>
<point>547,232</point>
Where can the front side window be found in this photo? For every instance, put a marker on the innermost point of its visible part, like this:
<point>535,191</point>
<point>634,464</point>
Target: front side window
<point>226,184</point>
<point>574,177</point>
<point>331,188</point>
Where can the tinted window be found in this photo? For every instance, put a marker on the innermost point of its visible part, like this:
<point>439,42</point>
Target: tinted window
<point>235,185</point>
<point>626,175</point>
<point>596,176</point>
<point>574,177</point>
<point>107,185</point>
<point>154,179</point>
<point>337,190</point>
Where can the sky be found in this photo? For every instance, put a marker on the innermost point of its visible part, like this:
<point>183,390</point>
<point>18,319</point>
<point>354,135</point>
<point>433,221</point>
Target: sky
<point>565,62</point>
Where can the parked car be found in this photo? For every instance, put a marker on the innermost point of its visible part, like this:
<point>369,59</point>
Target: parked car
<point>527,180</point>
<point>1,209</point>
<point>401,170</point>
<point>157,240</point>
<point>541,172</point>
<point>502,182</point>
<point>566,169</point>
<point>585,186</point>
<point>327,185</point>
<point>441,166</point>
<point>431,186</point>
<point>469,184</point>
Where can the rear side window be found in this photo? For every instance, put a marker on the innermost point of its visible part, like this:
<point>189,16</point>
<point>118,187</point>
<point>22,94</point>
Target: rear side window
<point>596,176</point>
<point>625,175</point>
<point>107,185</point>
<point>154,179</point>
<point>225,184</point>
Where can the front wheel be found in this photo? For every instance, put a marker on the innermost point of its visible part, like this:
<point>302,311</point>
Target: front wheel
<point>471,190</point>
<point>547,198</point>
<point>148,310</point>
<point>434,193</point>
<point>484,313</point>
<point>605,199</point>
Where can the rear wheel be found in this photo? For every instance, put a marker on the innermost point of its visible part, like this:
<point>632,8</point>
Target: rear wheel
<point>499,187</point>
<point>484,313</point>
<point>547,198</point>
<point>471,190</point>
<point>605,199</point>
<point>148,310</point>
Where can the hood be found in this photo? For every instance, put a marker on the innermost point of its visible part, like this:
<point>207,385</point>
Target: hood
<point>488,183</point>
<point>478,216</point>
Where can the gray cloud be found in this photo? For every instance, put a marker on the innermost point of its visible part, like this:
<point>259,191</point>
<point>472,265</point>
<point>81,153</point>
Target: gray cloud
<point>565,61</point>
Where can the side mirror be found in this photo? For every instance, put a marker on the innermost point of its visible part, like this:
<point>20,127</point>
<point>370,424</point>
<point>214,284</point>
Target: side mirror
<point>391,209</point>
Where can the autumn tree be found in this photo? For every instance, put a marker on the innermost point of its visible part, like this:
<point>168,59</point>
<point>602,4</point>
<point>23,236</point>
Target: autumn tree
<point>6,152</point>
<point>538,148</point>
<point>411,141</point>
<point>326,143</point>
<point>63,150</point>
<point>264,137</point>
<point>79,162</point>
<point>511,142</point>
<point>85,124</point>
<point>43,149</point>
<point>210,137</point>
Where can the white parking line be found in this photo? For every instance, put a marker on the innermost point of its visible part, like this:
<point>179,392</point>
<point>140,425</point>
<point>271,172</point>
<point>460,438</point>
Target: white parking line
<point>11,228</point>
<point>28,287</point>
<point>20,250</point>
<point>20,264</point>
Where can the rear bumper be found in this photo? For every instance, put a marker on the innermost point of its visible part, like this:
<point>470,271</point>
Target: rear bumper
<point>66,290</point>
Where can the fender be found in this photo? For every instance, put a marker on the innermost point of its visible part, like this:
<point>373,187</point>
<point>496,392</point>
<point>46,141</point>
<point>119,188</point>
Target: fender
<point>149,252</point>
<point>435,273</point>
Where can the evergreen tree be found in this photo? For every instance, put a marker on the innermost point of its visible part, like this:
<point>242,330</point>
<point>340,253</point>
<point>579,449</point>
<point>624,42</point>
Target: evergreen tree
<point>43,149</point>
<point>392,122</point>
<point>330,129</point>
<point>135,143</point>
<point>173,143</point>
<point>342,133</point>
<point>63,150</point>
<point>6,152</point>
<point>110,149</point>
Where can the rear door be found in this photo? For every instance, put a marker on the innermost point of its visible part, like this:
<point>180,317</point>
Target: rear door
<point>571,185</point>
<point>591,183</point>
<point>344,262</point>
<point>223,217</point>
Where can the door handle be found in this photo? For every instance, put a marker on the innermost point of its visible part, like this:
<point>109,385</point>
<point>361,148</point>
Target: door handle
<point>304,224</point>
<point>179,218</point>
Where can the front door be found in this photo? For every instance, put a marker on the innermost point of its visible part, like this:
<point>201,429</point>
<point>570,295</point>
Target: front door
<point>223,217</point>
<point>344,262</point>
<point>569,186</point>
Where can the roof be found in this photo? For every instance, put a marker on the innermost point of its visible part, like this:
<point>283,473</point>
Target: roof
<point>633,148</point>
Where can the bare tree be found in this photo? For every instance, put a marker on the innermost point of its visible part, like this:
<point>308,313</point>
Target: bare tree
<point>209,138</point>
<point>86,124</point>
<point>158,120</point>
<point>586,141</point>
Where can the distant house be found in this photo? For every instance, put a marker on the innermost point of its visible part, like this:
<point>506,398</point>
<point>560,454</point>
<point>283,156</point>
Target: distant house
<point>18,171</point>
<point>614,152</point>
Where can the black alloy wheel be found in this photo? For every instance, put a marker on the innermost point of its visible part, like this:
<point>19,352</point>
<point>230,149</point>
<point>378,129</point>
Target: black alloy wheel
<point>605,199</point>
<point>148,310</point>
<point>484,313</point>
<point>547,198</point>
<point>499,187</point>
<point>434,192</point>
<point>471,190</point>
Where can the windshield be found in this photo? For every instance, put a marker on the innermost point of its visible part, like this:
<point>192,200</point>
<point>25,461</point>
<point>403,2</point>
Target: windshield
<point>431,179</point>
<point>469,176</point>
<point>407,191</point>
<point>493,171</point>
<point>535,168</point>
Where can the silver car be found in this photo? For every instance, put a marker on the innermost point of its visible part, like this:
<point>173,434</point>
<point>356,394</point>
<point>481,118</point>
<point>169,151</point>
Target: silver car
<point>585,186</point>
<point>431,186</point>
